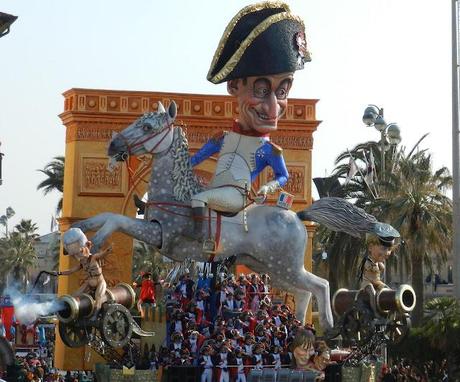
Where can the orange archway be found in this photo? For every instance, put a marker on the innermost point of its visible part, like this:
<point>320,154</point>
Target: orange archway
<point>91,116</point>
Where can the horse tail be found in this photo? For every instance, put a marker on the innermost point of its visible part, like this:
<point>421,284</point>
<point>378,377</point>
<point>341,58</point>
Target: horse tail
<point>339,215</point>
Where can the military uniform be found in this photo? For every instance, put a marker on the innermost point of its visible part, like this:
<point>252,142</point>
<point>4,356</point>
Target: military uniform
<point>241,159</point>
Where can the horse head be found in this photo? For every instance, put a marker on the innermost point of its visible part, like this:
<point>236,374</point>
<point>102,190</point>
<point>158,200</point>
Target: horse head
<point>152,133</point>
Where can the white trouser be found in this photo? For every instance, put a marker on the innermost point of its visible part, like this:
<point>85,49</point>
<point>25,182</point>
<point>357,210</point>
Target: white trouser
<point>241,377</point>
<point>224,376</point>
<point>225,199</point>
<point>207,375</point>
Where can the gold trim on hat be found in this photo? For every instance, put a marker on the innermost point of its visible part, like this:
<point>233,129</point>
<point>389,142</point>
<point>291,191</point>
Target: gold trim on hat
<point>262,27</point>
<point>231,25</point>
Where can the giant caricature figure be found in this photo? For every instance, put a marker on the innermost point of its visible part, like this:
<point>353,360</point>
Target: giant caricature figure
<point>261,48</point>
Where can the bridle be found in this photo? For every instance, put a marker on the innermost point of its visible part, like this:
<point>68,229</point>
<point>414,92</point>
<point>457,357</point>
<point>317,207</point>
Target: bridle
<point>142,139</point>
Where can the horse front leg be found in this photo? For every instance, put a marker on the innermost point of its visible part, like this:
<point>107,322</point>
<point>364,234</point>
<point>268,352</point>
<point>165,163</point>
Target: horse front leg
<point>305,281</point>
<point>108,223</point>
<point>302,299</point>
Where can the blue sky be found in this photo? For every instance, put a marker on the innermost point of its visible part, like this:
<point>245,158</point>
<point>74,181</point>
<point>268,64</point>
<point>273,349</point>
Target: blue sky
<point>396,54</point>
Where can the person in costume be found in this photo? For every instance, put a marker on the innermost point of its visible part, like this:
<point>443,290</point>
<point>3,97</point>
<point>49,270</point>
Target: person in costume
<point>261,48</point>
<point>303,349</point>
<point>206,363</point>
<point>372,266</point>
<point>79,247</point>
<point>147,294</point>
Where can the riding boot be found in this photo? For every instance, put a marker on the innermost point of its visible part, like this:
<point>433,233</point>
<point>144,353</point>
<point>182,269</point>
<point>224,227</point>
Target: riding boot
<point>372,299</point>
<point>199,220</point>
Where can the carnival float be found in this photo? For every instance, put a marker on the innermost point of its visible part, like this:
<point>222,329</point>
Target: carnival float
<point>225,223</point>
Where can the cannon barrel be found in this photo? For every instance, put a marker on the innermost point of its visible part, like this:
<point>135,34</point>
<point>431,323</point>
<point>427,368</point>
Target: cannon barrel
<point>83,306</point>
<point>386,300</point>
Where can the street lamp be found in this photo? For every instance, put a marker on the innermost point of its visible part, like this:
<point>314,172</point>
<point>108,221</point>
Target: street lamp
<point>1,157</point>
<point>390,134</point>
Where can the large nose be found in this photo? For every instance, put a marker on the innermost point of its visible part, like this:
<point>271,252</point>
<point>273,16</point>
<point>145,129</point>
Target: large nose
<point>271,106</point>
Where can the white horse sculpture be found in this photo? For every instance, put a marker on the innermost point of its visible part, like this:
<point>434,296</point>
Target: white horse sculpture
<point>276,238</point>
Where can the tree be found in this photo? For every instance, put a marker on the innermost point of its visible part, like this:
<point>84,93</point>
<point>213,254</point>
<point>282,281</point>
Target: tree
<point>27,229</point>
<point>435,341</point>
<point>19,254</point>
<point>415,203</point>
<point>442,328</point>
<point>147,258</point>
<point>54,172</point>
<point>411,198</point>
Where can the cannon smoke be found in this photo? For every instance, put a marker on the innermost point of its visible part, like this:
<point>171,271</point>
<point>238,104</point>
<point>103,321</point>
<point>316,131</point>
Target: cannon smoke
<point>28,310</point>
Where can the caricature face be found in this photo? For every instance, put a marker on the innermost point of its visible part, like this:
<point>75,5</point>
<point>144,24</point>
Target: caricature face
<point>73,248</point>
<point>379,252</point>
<point>262,101</point>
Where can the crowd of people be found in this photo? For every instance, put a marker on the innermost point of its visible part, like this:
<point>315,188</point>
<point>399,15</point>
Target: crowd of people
<point>404,371</point>
<point>38,368</point>
<point>228,326</point>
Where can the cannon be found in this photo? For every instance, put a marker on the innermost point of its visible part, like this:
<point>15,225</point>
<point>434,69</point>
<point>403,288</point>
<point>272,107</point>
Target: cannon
<point>359,318</point>
<point>80,322</point>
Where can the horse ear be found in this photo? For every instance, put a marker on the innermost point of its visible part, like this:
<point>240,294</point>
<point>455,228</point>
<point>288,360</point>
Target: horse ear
<point>172,110</point>
<point>161,108</point>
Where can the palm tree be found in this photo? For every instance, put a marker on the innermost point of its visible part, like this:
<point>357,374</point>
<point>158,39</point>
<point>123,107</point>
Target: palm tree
<point>54,172</point>
<point>147,258</point>
<point>411,198</point>
<point>416,204</point>
<point>442,328</point>
<point>27,229</point>
<point>20,257</point>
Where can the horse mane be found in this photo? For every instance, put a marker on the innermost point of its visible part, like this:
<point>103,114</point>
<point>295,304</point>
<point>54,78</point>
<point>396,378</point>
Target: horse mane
<point>186,184</point>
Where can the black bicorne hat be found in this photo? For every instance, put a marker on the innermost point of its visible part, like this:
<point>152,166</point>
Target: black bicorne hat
<point>262,39</point>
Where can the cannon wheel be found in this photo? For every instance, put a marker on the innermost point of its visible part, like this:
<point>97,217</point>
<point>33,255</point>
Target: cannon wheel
<point>398,326</point>
<point>116,325</point>
<point>73,336</point>
<point>358,325</point>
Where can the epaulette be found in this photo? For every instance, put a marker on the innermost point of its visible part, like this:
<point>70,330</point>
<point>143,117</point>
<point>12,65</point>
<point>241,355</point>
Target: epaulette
<point>277,150</point>
<point>218,136</point>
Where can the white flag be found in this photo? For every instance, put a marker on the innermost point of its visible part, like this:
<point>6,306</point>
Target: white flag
<point>353,169</point>
<point>54,224</point>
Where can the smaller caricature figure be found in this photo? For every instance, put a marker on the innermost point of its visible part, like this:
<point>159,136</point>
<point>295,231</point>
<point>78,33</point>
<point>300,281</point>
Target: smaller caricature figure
<point>303,349</point>
<point>373,266</point>
<point>78,246</point>
<point>147,294</point>
<point>322,357</point>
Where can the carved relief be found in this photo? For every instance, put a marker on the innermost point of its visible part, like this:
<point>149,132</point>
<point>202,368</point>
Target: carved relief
<point>91,133</point>
<point>198,135</point>
<point>295,184</point>
<point>296,142</point>
<point>97,179</point>
<point>197,105</point>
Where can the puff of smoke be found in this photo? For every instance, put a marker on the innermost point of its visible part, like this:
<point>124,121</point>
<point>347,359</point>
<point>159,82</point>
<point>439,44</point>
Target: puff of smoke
<point>28,310</point>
